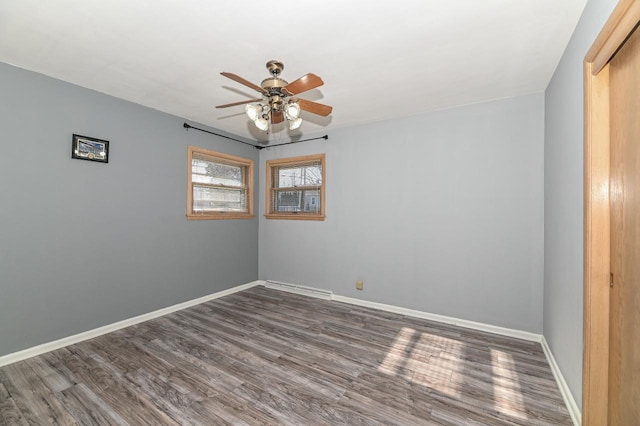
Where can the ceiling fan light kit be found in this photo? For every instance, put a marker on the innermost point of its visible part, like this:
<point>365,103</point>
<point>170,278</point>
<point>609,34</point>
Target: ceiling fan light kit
<point>277,103</point>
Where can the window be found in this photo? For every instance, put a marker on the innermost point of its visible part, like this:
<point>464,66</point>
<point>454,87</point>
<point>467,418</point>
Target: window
<point>219,186</point>
<point>295,188</point>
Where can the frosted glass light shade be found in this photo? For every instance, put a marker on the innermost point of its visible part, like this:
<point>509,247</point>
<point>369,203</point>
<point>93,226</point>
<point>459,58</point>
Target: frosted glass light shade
<point>261,124</point>
<point>292,110</point>
<point>253,111</point>
<point>294,124</point>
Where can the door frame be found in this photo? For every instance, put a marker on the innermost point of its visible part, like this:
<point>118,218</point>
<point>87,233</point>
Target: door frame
<point>597,233</point>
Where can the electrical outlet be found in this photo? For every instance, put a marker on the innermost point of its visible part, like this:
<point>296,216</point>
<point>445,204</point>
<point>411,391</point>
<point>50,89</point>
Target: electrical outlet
<point>359,285</point>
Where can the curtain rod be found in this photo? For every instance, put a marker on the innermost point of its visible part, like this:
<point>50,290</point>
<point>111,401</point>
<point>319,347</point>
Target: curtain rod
<point>189,126</point>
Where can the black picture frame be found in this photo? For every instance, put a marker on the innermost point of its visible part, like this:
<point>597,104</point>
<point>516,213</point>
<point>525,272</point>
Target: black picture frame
<point>91,149</point>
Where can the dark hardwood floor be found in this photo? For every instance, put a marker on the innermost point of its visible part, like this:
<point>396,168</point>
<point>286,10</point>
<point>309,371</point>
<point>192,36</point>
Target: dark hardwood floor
<point>263,357</point>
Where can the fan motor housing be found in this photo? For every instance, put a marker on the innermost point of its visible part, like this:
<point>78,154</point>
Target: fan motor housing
<point>275,92</point>
<point>273,83</point>
<point>276,102</point>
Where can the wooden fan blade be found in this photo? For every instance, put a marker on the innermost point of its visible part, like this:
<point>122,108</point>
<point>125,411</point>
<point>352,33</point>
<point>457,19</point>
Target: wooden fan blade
<point>314,107</point>
<point>241,80</point>
<point>277,117</point>
<point>304,83</point>
<point>239,103</point>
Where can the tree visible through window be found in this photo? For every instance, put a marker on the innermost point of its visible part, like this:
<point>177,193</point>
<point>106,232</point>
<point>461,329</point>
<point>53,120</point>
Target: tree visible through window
<point>219,185</point>
<point>295,188</point>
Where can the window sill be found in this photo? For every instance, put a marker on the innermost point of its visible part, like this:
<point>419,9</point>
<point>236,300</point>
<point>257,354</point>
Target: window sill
<point>294,216</point>
<point>219,216</point>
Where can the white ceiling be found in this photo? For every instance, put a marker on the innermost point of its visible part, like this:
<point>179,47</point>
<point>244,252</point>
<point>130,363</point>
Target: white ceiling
<point>379,60</point>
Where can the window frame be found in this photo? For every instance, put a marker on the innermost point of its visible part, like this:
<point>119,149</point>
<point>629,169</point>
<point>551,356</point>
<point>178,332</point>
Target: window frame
<point>293,162</point>
<point>228,159</point>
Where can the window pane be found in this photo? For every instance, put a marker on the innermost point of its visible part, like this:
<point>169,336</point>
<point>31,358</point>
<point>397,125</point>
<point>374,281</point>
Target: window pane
<point>204,171</point>
<point>306,201</point>
<point>207,199</point>
<point>311,201</point>
<point>307,175</point>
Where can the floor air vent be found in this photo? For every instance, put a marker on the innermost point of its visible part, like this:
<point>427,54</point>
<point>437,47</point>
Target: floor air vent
<point>300,289</point>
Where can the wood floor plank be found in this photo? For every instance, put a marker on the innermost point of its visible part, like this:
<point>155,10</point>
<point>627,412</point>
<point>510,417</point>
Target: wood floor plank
<point>218,400</point>
<point>9,412</point>
<point>32,395</point>
<point>131,404</point>
<point>87,408</point>
<point>266,357</point>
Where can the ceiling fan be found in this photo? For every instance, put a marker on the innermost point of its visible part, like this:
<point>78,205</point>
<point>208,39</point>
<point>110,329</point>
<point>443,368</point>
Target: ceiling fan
<point>278,103</point>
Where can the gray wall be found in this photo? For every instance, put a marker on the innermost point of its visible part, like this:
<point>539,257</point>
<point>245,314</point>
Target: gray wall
<point>85,244</point>
<point>563,194</point>
<point>440,212</point>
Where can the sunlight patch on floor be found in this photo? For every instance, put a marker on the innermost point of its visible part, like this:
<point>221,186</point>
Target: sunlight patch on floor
<point>508,401</point>
<point>414,357</point>
<point>394,362</point>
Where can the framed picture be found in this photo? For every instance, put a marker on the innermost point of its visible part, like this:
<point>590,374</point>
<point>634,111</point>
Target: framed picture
<point>92,149</point>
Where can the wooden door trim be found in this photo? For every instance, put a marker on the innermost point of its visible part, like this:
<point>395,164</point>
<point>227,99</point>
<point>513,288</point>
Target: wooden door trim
<point>620,24</point>
<point>595,373</point>
<point>595,364</point>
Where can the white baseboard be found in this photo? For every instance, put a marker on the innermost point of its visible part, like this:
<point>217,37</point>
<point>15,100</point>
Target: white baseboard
<point>90,334</point>
<point>569,401</point>
<point>299,289</point>
<point>519,334</point>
